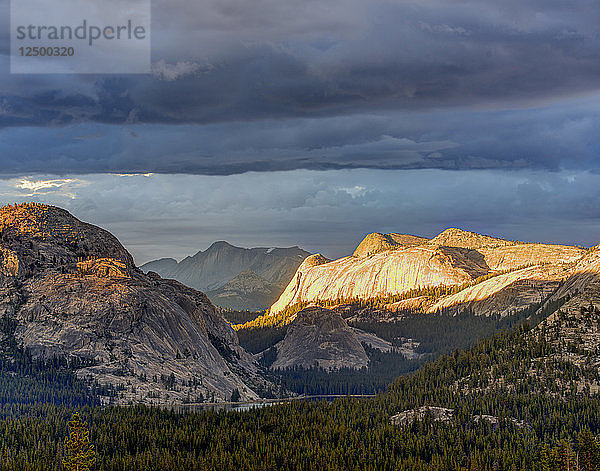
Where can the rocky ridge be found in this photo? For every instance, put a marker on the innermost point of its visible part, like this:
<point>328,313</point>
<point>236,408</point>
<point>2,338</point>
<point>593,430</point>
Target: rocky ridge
<point>497,275</point>
<point>566,358</point>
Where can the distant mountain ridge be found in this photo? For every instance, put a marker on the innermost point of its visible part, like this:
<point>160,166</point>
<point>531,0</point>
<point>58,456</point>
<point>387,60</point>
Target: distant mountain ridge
<point>212,269</point>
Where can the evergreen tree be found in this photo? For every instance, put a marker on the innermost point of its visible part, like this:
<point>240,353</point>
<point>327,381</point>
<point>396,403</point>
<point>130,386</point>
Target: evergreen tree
<point>81,455</point>
<point>589,454</point>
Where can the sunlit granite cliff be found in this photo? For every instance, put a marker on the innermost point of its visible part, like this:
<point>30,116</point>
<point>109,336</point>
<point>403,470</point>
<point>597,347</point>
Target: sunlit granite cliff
<point>496,274</point>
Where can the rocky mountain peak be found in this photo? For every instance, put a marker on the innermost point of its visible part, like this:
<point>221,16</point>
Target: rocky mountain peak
<point>73,291</point>
<point>377,242</point>
<point>219,246</point>
<point>212,268</point>
<point>454,237</point>
<point>35,236</point>
<point>313,261</point>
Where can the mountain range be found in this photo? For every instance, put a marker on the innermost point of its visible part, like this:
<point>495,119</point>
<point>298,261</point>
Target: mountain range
<point>234,277</point>
<point>406,281</point>
<point>73,291</point>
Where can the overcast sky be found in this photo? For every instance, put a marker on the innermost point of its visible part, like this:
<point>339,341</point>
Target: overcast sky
<point>278,122</point>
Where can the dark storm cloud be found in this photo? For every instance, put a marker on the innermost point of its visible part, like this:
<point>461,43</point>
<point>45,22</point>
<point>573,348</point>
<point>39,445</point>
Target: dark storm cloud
<point>280,85</point>
<point>551,137</point>
<point>278,59</point>
<point>266,82</point>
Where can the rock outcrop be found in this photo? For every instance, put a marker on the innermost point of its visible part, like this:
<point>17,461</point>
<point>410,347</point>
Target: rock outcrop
<point>40,237</point>
<point>320,338</point>
<point>444,415</point>
<point>454,237</point>
<point>75,292</point>
<point>377,242</point>
<point>437,414</point>
<point>213,268</point>
<point>520,273</point>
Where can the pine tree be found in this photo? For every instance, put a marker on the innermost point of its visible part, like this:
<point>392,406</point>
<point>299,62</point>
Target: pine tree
<point>81,455</point>
<point>589,454</point>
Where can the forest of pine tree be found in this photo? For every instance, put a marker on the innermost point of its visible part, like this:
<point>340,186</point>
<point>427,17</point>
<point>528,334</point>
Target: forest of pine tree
<point>554,429</point>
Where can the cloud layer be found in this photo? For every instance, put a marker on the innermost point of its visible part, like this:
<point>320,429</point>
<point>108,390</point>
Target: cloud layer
<point>280,84</point>
<point>550,138</point>
<point>227,61</point>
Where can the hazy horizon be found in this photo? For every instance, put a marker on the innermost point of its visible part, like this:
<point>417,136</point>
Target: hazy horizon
<point>327,212</point>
